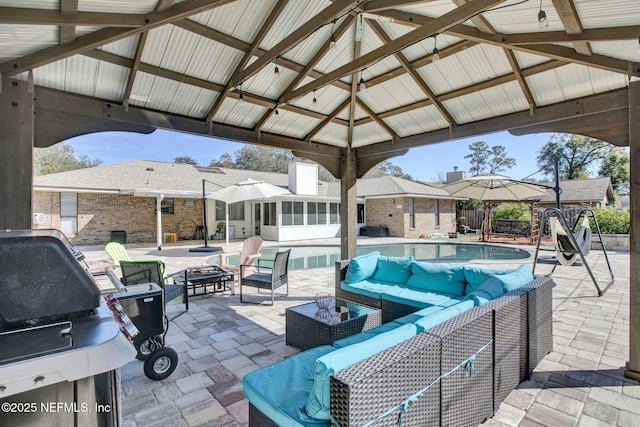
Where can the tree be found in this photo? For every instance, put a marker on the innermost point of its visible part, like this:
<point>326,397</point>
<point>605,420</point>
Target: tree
<point>263,159</point>
<point>615,165</point>
<point>225,161</point>
<point>574,153</point>
<point>186,159</point>
<point>60,158</point>
<point>388,168</point>
<point>485,159</point>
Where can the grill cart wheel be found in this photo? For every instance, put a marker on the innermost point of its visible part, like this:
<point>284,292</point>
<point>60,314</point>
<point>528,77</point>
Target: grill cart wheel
<point>147,346</point>
<point>161,363</point>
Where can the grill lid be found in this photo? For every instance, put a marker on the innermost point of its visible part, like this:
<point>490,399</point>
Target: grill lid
<point>42,279</point>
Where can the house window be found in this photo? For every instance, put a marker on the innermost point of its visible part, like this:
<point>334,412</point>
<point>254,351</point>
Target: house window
<point>269,210</point>
<point>334,213</point>
<point>437,209</point>
<point>166,206</point>
<point>236,211</point>
<point>69,213</point>
<point>360,213</point>
<point>412,214</point>
<point>316,213</point>
<point>292,213</point>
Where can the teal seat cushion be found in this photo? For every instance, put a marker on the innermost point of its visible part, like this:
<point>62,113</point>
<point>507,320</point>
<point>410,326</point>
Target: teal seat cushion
<point>318,403</point>
<point>368,334</point>
<point>393,269</point>
<point>419,298</point>
<point>516,278</point>
<point>476,275</point>
<point>362,267</point>
<point>369,288</point>
<point>436,318</point>
<point>281,389</point>
<point>437,277</point>
<point>479,297</point>
<point>414,317</point>
<point>492,287</point>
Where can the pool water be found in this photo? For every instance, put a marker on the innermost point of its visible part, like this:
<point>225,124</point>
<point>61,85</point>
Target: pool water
<point>326,255</point>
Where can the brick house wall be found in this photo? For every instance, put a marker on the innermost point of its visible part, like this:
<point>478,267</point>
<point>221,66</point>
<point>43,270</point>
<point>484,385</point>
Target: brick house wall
<point>393,213</point>
<point>99,214</point>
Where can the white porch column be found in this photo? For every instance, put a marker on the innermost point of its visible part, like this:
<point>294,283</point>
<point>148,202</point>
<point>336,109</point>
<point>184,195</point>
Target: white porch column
<point>159,199</point>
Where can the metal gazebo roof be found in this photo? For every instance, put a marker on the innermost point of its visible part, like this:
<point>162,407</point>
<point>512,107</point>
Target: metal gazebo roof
<point>209,67</point>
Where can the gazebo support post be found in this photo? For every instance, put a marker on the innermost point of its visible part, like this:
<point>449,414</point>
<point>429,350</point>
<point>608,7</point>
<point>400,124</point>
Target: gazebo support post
<point>633,367</point>
<point>16,153</point>
<point>348,243</point>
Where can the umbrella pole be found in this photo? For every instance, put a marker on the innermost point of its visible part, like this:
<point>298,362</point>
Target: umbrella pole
<point>226,223</point>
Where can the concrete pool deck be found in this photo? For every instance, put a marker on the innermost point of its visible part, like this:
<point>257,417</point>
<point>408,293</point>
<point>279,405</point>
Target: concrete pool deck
<point>581,383</point>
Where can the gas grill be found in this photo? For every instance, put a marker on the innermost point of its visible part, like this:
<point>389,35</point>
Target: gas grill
<point>59,344</point>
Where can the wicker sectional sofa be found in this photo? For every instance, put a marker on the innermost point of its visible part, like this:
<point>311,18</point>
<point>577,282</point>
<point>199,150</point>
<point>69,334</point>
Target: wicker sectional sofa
<point>448,365</point>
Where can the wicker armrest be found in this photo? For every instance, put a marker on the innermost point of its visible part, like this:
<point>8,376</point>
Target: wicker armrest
<point>379,384</point>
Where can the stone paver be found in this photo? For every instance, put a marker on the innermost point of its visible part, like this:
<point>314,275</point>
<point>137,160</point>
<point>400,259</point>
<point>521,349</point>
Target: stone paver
<point>581,383</point>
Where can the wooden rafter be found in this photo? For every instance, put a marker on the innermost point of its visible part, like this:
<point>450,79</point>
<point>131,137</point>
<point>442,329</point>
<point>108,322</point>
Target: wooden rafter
<point>571,22</point>
<point>271,19</point>
<point>67,32</point>
<point>392,133</point>
<point>17,16</point>
<point>406,65</point>
<point>377,5</point>
<point>430,28</point>
<point>333,115</point>
<point>107,35</point>
<point>555,52</point>
<point>591,35</point>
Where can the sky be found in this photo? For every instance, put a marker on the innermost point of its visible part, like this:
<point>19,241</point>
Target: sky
<point>424,163</point>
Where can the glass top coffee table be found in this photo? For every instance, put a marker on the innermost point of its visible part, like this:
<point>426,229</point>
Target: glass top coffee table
<point>309,326</point>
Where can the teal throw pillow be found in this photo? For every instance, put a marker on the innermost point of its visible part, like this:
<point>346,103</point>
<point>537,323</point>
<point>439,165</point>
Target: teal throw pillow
<point>516,278</point>
<point>476,275</point>
<point>437,277</point>
<point>393,269</point>
<point>492,287</point>
<point>362,267</point>
<point>318,404</point>
<point>478,297</point>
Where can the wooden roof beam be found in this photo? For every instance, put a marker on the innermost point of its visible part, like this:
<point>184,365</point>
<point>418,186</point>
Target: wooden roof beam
<point>447,20</point>
<point>377,5</point>
<point>553,37</point>
<point>571,22</point>
<point>330,117</point>
<point>18,16</point>
<point>67,32</point>
<point>106,36</point>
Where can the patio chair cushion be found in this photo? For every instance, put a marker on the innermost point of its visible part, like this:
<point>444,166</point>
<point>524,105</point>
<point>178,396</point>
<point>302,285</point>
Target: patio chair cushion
<point>419,298</point>
<point>362,267</point>
<point>476,276</point>
<point>318,404</point>
<point>437,277</point>
<point>479,297</point>
<point>279,390</point>
<point>369,288</point>
<point>393,269</point>
<point>435,319</point>
<point>368,334</point>
<point>516,278</point>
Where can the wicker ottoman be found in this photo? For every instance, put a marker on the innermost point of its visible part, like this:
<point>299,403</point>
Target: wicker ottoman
<point>309,326</point>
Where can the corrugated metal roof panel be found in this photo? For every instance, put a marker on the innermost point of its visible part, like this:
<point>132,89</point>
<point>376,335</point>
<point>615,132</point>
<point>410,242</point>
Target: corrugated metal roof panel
<point>80,75</point>
<point>623,49</point>
<point>333,134</point>
<point>528,59</point>
<point>545,88</point>
<point>394,93</point>
<point>184,101</point>
<point>125,47</point>
<point>219,70</point>
<point>156,45</point>
<point>182,45</point>
<point>32,4</point>
<point>295,14</point>
<point>161,93</point>
<point>290,124</point>
<point>241,19</point>
<point>328,98</point>
<point>50,75</point>
<point>264,83</point>
<point>523,18</point>
<point>20,40</point>
<point>342,54</point>
<point>238,113</point>
<point>432,8</point>
<point>598,14</point>
<point>468,108</point>
<point>141,89</point>
<point>504,99</point>
<point>111,81</point>
<point>122,6</point>
<point>417,121</point>
<point>369,133</point>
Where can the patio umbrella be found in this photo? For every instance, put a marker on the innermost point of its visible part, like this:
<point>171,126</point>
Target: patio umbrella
<point>493,188</point>
<point>496,188</point>
<point>248,189</point>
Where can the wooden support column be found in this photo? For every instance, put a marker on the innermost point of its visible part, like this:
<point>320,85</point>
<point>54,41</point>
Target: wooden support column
<point>633,367</point>
<point>348,205</point>
<point>16,154</point>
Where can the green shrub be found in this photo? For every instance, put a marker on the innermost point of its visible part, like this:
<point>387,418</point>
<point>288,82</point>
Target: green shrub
<point>515,211</point>
<point>612,221</point>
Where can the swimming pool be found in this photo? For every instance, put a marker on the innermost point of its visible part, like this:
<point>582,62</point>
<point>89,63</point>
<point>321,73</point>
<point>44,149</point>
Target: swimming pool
<point>318,256</point>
